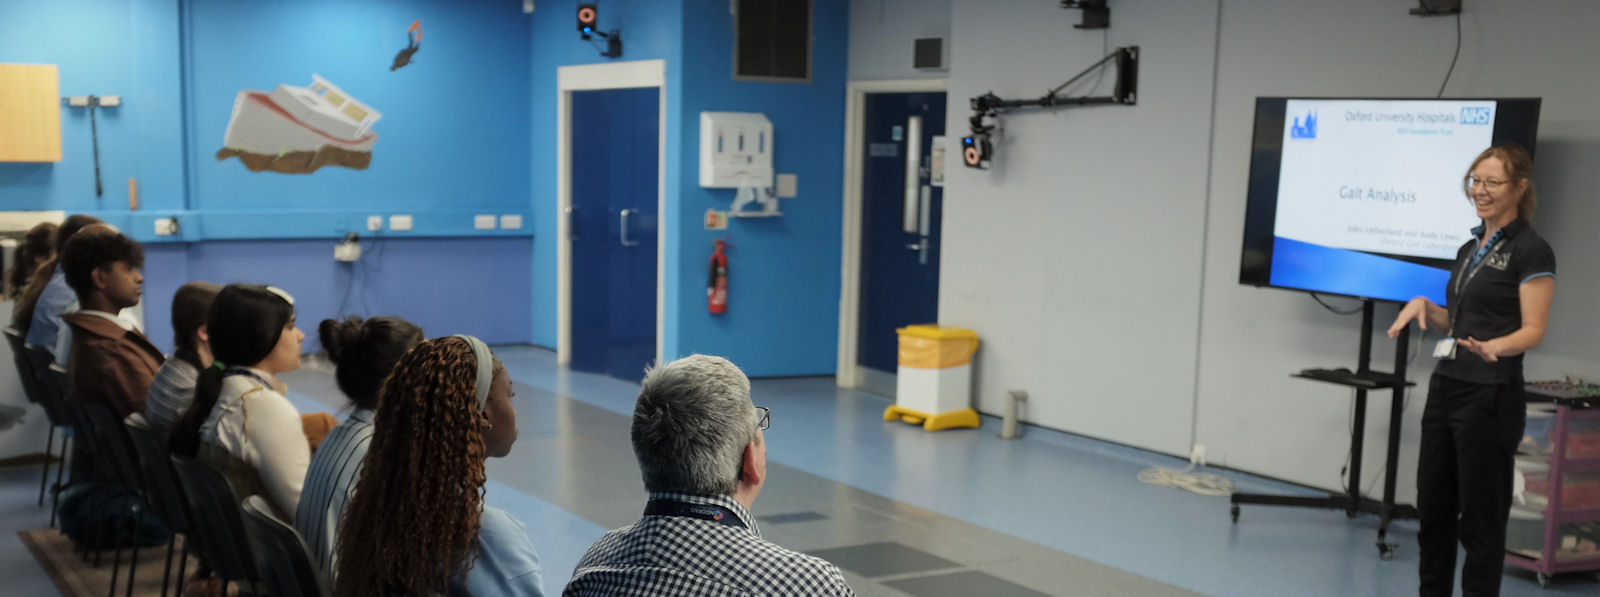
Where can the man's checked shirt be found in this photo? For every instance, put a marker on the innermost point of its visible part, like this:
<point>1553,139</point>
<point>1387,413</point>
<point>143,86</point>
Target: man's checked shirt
<point>670,555</point>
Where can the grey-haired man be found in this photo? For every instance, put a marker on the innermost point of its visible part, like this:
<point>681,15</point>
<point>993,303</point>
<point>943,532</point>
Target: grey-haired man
<point>700,447</point>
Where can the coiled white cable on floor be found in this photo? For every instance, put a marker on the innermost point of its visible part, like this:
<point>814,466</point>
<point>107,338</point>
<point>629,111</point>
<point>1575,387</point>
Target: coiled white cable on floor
<point>1201,483</point>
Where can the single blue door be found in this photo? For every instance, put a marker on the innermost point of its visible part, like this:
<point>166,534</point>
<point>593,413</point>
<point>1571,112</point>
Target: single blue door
<point>899,254</point>
<point>613,229</point>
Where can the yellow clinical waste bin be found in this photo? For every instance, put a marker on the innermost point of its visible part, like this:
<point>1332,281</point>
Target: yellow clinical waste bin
<point>933,384</point>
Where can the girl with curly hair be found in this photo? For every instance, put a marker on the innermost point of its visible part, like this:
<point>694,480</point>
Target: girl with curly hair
<point>417,524</point>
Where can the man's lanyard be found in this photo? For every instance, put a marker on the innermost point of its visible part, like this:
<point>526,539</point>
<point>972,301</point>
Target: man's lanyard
<point>1465,276</point>
<point>711,512</point>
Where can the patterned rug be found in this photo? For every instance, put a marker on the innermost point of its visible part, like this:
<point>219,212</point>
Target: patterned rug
<point>77,578</point>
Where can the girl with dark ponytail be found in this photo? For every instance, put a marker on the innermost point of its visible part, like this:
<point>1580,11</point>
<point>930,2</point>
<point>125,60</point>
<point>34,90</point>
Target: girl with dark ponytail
<point>364,352</point>
<point>241,423</point>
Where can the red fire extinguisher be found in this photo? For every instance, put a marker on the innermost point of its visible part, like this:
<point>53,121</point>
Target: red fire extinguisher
<point>717,285</point>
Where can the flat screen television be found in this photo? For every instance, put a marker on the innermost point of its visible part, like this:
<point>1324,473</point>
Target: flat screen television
<point>1365,197</point>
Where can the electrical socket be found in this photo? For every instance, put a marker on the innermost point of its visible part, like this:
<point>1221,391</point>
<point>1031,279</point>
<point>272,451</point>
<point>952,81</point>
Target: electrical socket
<point>347,251</point>
<point>374,223</point>
<point>1197,455</point>
<point>166,226</point>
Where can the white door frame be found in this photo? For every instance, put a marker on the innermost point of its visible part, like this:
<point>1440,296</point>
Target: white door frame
<point>611,75</point>
<point>848,374</point>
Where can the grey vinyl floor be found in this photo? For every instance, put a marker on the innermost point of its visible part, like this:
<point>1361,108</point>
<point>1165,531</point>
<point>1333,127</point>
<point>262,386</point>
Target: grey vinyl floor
<point>900,510</point>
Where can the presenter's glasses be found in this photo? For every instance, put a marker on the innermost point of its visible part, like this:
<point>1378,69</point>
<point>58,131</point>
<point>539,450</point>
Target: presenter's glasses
<point>1491,184</point>
<point>766,418</point>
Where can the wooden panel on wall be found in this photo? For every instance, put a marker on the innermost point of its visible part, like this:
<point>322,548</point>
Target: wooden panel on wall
<point>30,113</point>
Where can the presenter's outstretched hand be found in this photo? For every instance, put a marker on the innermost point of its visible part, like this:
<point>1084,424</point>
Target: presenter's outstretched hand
<point>1481,348</point>
<point>1415,309</point>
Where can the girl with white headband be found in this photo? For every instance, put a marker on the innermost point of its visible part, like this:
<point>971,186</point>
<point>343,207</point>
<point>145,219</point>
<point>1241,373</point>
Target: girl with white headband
<point>240,423</point>
<point>417,524</point>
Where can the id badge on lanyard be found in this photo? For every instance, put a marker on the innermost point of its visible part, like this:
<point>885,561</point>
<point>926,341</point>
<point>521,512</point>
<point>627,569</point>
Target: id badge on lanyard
<point>1446,348</point>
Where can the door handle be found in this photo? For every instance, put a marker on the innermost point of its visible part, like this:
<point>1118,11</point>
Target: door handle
<point>572,226</point>
<point>623,216</point>
<point>921,247</point>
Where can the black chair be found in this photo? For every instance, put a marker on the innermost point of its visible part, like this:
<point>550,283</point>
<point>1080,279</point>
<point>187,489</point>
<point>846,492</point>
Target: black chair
<point>52,378</point>
<point>19,353</point>
<point>161,490</point>
<point>217,521</point>
<point>119,460</point>
<point>280,553</point>
<point>33,390</point>
<point>98,470</point>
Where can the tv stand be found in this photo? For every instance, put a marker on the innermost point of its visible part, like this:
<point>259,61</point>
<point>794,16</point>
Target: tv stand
<point>1363,379</point>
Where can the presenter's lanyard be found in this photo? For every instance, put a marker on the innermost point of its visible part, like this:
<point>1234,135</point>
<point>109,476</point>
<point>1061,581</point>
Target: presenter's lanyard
<point>1465,276</point>
<point>711,512</point>
<point>247,373</point>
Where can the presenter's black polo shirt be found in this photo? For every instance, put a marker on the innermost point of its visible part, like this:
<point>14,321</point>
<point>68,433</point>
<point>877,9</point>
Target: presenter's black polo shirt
<point>1487,304</point>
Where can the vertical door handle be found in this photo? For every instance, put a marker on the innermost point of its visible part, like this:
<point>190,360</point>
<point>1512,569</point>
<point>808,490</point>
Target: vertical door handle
<point>624,223</point>
<point>572,224</point>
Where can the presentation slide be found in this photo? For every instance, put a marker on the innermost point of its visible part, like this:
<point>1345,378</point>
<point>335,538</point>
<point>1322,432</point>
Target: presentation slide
<point>1379,176</point>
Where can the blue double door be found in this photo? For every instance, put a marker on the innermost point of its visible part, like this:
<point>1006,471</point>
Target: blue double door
<point>899,232</point>
<point>614,230</point>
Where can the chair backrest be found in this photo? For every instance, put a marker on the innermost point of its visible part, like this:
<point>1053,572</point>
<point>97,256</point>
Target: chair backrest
<point>217,519</point>
<point>53,383</point>
<point>25,371</point>
<point>280,552</point>
<point>160,483</point>
<point>119,451</point>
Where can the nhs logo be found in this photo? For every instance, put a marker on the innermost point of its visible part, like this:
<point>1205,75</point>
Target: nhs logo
<point>1477,115</point>
<point>1306,129</point>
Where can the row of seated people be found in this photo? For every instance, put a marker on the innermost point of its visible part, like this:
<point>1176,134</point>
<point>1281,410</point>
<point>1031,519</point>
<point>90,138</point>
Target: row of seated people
<point>391,500</point>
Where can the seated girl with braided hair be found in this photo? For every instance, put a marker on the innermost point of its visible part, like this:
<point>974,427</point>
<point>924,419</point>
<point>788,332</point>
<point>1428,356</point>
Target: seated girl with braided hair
<point>417,524</point>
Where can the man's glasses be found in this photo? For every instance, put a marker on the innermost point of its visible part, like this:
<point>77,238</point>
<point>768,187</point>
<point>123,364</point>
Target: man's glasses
<point>766,418</point>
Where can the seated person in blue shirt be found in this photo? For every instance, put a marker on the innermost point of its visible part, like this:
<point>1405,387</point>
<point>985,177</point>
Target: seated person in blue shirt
<point>39,307</point>
<point>701,449</point>
<point>172,390</point>
<point>364,352</point>
<point>417,524</point>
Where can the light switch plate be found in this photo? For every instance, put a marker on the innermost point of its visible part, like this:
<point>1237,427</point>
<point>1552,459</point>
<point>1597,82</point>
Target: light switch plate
<point>788,185</point>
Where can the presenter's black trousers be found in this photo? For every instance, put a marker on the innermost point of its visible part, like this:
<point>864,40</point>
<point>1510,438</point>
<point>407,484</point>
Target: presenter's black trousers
<point>1470,434</point>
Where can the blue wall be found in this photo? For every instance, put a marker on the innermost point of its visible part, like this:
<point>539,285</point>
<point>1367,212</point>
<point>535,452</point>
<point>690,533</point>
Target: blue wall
<point>783,289</point>
<point>448,286</point>
<point>101,47</point>
<point>450,136</point>
<point>651,30</point>
<point>451,145</point>
<point>469,128</point>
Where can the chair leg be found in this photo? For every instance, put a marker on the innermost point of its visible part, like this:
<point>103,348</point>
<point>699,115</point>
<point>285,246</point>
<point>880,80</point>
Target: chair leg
<point>166,571</point>
<point>61,463</point>
<point>116,563</point>
<point>49,446</point>
<point>133,560</point>
<point>183,562</point>
<point>99,532</point>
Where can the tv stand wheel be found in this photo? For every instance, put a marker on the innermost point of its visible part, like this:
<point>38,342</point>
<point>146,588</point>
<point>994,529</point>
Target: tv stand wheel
<point>1386,551</point>
<point>1235,513</point>
<point>1544,579</point>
